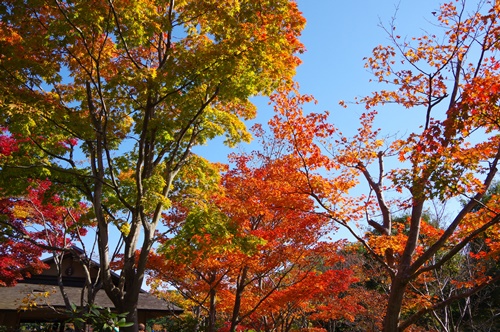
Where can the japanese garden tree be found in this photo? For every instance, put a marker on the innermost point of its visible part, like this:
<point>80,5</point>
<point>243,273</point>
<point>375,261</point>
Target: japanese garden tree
<point>251,253</point>
<point>106,99</point>
<point>453,80</point>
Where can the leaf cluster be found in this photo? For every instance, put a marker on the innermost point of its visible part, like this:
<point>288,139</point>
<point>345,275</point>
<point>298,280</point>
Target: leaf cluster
<point>101,319</point>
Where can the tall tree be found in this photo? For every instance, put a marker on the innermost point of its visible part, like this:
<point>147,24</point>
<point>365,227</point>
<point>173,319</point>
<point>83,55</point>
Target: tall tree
<point>250,253</point>
<point>109,97</point>
<point>263,205</point>
<point>453,79</point>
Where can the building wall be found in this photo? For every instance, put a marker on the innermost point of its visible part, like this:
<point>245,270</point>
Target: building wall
<point>71,268</point>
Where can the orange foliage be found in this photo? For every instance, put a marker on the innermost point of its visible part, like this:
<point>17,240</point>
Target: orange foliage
<point>453,80</point>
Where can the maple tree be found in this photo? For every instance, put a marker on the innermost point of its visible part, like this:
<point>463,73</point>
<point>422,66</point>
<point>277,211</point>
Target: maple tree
<point>42,221</point>
<point>18,259</point>
<point>109,97</point>
<point>249,252</point>
<point>35,223</point>
<point>362,304</point>
<point>32,224</point>
<point>453,79</point>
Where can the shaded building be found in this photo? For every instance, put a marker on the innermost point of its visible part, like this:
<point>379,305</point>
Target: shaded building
<point>47,303</point>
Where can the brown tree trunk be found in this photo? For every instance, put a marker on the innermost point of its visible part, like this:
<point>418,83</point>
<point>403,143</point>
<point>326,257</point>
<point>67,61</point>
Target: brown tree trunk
<point>237,301</point>
<point>132,317</point>
<point>394,304</point>
<point>212,314</point>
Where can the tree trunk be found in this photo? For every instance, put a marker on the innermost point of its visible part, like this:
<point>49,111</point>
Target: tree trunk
<point>197,315</point>
<point>132,316</point>
<point>236,310</point>
<point>212,314</point>
<point>394,304</point>
<point>240,287</point>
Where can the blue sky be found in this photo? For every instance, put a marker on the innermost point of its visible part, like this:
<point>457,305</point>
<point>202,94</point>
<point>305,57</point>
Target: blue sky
<point>338,35</point>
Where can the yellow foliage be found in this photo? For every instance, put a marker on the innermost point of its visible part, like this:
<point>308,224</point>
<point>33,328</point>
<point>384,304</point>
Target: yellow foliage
<point>125,229</point>
<point>34,299</point>
<point>20,212</point>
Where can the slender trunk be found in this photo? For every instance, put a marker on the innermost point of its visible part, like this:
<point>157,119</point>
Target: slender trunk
<point>394,304</point>
<point>212,314</point>
<point>237,300</point>
<point>401,279</point>
<point>197,315</point>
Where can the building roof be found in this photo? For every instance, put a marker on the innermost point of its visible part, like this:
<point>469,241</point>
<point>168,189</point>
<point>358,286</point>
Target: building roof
<point>43,288</point>
<point>11,298</point>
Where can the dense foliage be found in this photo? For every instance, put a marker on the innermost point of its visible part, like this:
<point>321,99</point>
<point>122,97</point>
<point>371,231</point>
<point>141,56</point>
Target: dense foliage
<point>102,102</point>
<point>106,99</point>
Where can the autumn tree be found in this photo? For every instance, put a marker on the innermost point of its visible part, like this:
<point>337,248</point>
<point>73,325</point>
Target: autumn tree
<point>107,98</point>
<point>361,305</point>
<point>19,258</point>
<point>453,80</point>
<point>284,273</point>
<point>250,254</point>
<point>41,222</point>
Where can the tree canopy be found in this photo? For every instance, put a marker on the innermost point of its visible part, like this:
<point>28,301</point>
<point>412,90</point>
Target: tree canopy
<point>102,103</point>
<point>106,99</point>
<point>453,79</point>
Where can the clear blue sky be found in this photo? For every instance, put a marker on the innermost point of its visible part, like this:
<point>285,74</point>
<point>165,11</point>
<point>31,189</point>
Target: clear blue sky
<point>338,35</point>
